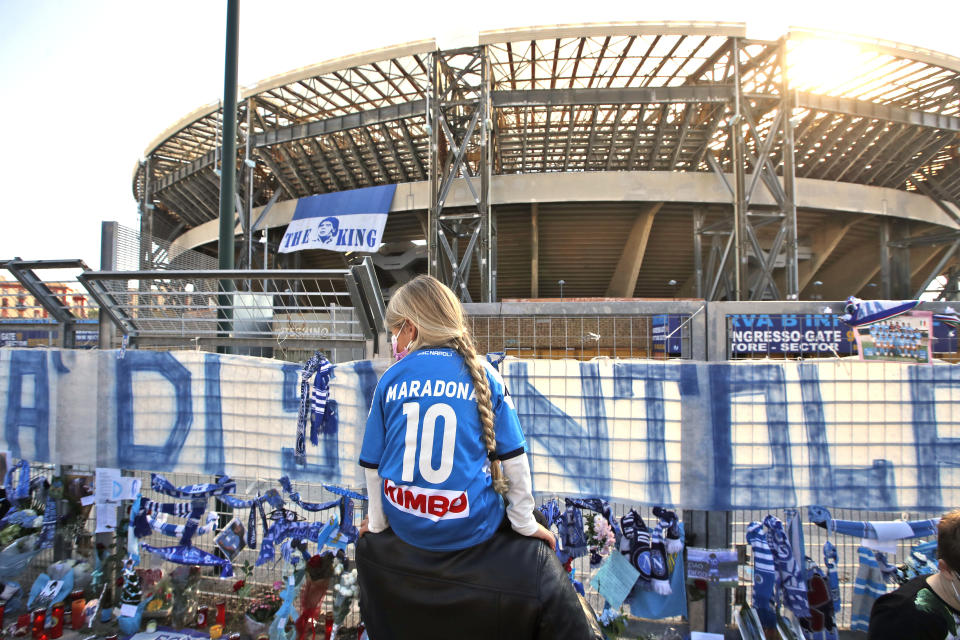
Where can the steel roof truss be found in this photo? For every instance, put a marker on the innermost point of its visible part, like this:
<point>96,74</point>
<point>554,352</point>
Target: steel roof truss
<point>937,269</point>
<point>878,161</point>
<point>309,162</point>
<point>415,157</point>
<point>335,146</point>
<point>658,141</point>
<point>384,174</point>
<point>903,156</point>
<point>301,182</point>
<point>402,174</point>
<point>839,152</point>
<point>325,163</point>
<point>909,169</point>
<point>276,172</point>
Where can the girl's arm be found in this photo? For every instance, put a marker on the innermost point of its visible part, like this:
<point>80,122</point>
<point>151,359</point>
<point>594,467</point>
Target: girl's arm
<point>376,518</point>
<point>520,498</point>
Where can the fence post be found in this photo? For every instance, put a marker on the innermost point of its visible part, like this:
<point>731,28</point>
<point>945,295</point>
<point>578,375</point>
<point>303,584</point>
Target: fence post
<point>108,262</point>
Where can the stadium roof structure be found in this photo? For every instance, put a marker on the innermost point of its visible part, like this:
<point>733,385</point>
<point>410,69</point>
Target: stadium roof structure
<point>641,159</point>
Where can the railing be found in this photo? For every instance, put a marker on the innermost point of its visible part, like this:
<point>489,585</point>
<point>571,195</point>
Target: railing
<point>256,312</point>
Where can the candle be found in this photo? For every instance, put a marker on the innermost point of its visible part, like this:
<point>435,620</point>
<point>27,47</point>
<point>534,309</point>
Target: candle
<point>216,630</point>
<point>221,613</point>
<point>39,619</point>
<point>56,620</point>
<point>151,626</point>
<point>76,613</point>
<point>202,616</point>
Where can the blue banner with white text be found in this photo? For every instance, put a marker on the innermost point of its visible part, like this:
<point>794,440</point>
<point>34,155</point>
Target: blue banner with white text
<point>341,221</point>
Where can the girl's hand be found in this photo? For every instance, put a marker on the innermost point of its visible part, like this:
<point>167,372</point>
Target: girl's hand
<point>363,527</point>
<point>544,534</point>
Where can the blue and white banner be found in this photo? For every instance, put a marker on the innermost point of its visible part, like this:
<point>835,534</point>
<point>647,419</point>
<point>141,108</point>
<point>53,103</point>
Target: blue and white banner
<point>340,221</point>
<point>841,433</point>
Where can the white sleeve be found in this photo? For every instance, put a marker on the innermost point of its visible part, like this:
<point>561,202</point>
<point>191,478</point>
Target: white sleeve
<point>376,518</point>
<point>520,495</point>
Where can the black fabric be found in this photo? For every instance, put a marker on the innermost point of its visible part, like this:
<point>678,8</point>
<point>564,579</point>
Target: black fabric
<point>511,454</point>
<point>510,587</point>
<point>913,611</point>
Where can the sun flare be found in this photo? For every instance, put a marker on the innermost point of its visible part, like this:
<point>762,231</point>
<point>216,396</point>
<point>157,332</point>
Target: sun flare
<point>823,66</point>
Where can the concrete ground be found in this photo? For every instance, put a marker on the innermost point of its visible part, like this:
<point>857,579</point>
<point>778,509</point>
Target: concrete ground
<point>637,627</point>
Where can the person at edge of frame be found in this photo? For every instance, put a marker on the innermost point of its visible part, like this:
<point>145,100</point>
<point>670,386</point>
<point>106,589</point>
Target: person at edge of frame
<point>925,607</point>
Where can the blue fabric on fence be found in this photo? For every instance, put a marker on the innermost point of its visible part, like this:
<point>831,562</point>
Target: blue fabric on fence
<point>340,491</point>
<point>764,575</point>
<point>223,486</point>
<point>49,524</point>
<point>864,529</point>
<point>859,312</point>
<point>830,560</point>
<point>191,555</point>
<point>271,497</point>
<point>324,410</point>
<point>868,587</point>
<point>597,505</point>
<point>306,506</point>
<point>790,572</point>
<point>649,604</point>
<point>177,530</point>
<point>22,490</point>
<point>795,534</point>
<point>310,367</point>
<point>318,532</point>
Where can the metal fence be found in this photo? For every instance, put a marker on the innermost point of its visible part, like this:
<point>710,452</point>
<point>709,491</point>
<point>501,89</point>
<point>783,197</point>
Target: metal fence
<point>288,314</point>
<point>282,314</point>
<point>583,330</point>
<point>44,312</point>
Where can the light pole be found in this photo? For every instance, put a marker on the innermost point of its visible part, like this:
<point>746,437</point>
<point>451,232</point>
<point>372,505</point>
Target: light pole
<point>561,283</point>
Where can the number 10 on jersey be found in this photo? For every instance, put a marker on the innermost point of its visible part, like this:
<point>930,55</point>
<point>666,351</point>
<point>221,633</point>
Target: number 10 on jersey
<point>424,435</point>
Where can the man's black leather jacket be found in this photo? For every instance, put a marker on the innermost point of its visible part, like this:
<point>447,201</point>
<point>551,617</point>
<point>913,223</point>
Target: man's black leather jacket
<point>510,587</point>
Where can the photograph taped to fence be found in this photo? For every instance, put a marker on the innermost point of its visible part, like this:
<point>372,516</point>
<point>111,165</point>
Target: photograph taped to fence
<point>904,338</point>
<point>712,565</point>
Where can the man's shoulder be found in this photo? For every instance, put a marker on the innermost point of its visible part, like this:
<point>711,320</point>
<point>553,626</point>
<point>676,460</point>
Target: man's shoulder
<point>912,609</point>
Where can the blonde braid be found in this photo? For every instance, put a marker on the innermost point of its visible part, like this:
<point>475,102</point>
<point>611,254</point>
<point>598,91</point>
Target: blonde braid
<point>464,346</point>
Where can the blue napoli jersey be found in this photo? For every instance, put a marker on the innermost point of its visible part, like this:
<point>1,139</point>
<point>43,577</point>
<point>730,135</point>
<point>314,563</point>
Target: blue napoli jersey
<point>424,437</point>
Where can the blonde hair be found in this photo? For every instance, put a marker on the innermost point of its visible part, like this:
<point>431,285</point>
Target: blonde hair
<point>438,316</point>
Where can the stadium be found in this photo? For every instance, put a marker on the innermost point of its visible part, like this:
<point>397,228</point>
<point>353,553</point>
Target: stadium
<point>653,228</point>
<point>651,160</point>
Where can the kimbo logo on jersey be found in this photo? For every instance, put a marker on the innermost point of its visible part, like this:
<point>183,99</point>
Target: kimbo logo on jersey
<point>433,504</point>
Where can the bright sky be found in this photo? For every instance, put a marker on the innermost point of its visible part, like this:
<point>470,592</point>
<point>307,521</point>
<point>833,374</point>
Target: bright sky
<point>86,86</point>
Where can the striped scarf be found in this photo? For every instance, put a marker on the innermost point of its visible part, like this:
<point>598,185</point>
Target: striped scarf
<point>303,412</point>
<point>161,485</point>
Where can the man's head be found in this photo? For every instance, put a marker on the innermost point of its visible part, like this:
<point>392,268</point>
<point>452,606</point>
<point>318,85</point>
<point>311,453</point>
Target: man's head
<point>948,542</point>
<point>327,229</point>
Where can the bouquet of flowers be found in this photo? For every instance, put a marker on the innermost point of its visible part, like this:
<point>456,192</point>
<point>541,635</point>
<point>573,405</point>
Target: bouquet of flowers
<point>600,538</point>
<point>343,594</point>
<point>260,613</point>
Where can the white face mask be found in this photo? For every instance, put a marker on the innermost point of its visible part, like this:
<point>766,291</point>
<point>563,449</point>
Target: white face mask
<point>954,586</point>
<point>397,354</point>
